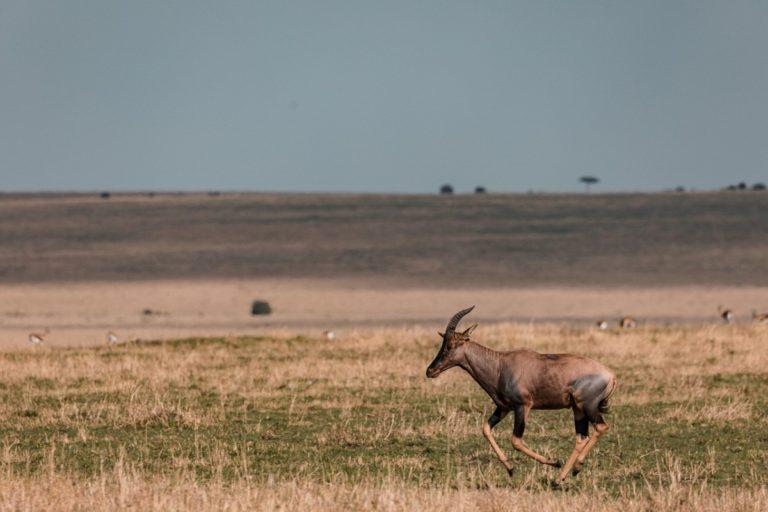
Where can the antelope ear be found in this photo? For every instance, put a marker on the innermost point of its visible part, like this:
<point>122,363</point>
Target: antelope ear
<point>469,330</point>
<point>441,334</point>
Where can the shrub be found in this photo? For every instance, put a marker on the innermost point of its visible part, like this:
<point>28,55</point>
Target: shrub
<point>260,307</point>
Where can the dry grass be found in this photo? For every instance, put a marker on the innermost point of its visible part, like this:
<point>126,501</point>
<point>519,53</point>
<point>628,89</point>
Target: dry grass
<point>289,423</point>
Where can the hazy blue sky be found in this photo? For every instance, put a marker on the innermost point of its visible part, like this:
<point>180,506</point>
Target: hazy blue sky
<point>381,95</point>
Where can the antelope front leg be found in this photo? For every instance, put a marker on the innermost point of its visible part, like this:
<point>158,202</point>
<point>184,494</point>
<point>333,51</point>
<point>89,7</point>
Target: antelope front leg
<point>495,418</point>
<point>521,413</point>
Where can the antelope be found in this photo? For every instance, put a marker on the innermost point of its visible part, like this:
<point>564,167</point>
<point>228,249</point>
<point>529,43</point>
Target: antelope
<point>627,322</point>
<point>601,324</point>
<point>759,317</point>
<point>37,338</point>
<point>725,314</point>
<point>111,337</point>
<point>521,380</point>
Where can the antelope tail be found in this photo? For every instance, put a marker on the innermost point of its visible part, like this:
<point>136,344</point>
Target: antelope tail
<point>603,406</point>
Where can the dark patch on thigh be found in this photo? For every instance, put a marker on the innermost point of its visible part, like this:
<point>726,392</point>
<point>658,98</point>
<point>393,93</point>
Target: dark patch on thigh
<point>552,357</point>
<point>587,392</point>
<point>582,425</point>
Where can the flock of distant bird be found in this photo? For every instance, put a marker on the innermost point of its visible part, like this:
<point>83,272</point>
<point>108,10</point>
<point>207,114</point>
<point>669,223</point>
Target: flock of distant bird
<point>625,322</point>
<point>36,338</point>
<point>727,315</point>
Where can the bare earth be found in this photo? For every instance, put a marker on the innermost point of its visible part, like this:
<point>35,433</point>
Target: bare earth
<point>82,313</point>
<point>80,265</point>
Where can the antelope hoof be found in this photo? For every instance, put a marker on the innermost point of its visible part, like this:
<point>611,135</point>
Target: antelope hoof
<point>556,463</point>
<point>555,485</point>
<point>510,471</point>
<point>576,470</point>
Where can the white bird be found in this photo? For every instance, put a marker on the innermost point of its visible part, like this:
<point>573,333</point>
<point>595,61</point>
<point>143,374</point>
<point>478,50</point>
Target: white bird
<point>111,337</point>
<point>329,335</point>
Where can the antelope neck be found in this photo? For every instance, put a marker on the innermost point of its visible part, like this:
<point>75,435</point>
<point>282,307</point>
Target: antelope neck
<point>483,364</point>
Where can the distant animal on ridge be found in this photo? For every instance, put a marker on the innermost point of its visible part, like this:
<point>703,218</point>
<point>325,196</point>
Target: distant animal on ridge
<point>36,338</point>
<point>760,318</point>
<point>725,314</point>
<point>627,322</point>
<point>601,324</point>
<point>520,380</point>
<point>111,337</point>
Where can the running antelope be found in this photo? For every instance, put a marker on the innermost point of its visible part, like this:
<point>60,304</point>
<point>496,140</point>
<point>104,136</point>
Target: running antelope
<point>521,380</point>
<point>627,322</point>
<point>725,314</point>
<point>760,318</point>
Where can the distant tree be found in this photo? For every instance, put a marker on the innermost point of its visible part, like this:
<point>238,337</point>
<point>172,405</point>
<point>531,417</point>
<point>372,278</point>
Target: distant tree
<point>479,190</point>
<point>680,189</point>
<point>446,189</point>
<point>588,181</point>
<point>105,195</point>
<point>742,186</point>
<point>758,186</point>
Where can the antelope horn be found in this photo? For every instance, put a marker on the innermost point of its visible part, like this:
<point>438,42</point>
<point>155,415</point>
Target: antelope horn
<point>454,321</point>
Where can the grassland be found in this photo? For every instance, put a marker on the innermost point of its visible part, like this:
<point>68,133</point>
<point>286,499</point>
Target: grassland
<point>486,240</point>
<point>290,423</point>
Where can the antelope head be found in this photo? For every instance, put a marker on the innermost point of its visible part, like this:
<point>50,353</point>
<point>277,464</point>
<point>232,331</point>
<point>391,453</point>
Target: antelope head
<point>450,353</point>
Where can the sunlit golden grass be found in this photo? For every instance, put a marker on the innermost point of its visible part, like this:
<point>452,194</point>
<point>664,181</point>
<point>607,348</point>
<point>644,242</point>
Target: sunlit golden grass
<point>287,422</point>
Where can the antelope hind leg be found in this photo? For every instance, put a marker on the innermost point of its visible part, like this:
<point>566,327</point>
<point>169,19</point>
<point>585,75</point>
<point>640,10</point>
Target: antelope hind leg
<point>600,429</point>
<point>581,443</point>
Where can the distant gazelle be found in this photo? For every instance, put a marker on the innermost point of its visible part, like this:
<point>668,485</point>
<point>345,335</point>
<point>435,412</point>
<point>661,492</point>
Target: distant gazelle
<point>627,322</point>
<point>521,380</point>
<point>37,338</point>
<point>111,337</point>
<point>725,314</point>
<point>601,324</point>
<point>759,317</point>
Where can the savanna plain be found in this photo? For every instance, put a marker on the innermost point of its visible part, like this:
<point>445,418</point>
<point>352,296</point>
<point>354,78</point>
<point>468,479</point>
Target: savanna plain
<point>270,414</point>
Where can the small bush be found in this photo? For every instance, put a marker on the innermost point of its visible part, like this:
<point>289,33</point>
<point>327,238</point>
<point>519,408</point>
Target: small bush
<point>260,307</point>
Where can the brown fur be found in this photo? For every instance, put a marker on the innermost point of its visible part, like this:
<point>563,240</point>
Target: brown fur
<point>521,380</point>
<point>627,322</point>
